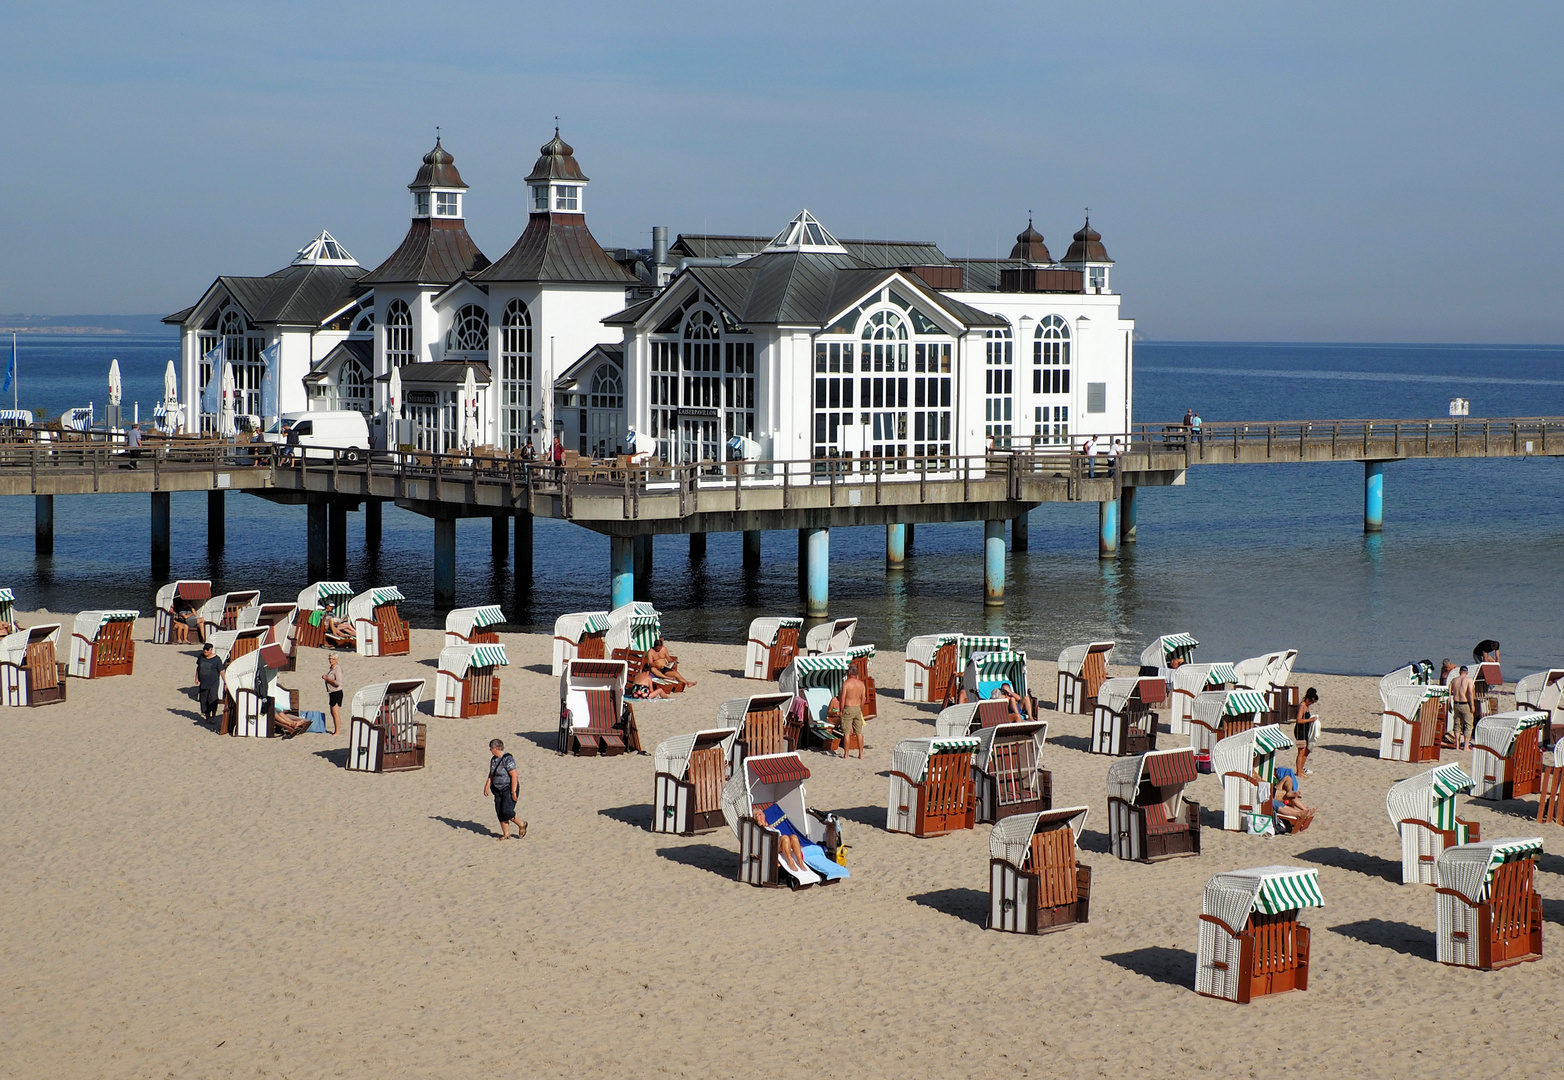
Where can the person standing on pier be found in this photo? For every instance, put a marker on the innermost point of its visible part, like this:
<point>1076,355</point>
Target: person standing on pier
<point>1195,428</point>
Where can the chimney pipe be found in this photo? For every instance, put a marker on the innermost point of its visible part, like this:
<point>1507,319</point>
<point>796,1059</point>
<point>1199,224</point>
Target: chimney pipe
<point>659,245</point>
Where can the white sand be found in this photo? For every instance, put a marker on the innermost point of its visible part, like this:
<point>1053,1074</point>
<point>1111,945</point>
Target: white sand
<point>179,904</point>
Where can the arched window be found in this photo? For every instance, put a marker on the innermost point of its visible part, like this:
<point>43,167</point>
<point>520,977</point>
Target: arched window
<point>998,385</point>
<point>515,374</point>
<point>365,323</point>
<point>702,386</point>
<point>353,387</point>
<point>608,388</point>
<point>399,334</point>
<point>884,349</point>
<point>242,345</point>
<point>469,332</point>
<point>605,419</point>
<point>1051,375</point>
<point>888,334</point>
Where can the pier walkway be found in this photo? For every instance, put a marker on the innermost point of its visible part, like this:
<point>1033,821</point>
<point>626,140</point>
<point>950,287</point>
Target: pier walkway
<point>631,504</point>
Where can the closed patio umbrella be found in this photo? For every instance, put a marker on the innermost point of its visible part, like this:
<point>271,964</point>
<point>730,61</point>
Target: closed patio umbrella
<point>225,418</point>
<point>469,409</point>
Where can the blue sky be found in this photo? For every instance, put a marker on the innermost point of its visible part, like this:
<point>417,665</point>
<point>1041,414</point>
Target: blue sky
<point>1259,172</point>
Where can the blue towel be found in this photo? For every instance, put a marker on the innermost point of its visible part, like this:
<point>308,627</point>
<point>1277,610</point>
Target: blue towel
<point>817,860</point>
<point>317,721</point>
<point>1284,771</point>
<point>986,689</point>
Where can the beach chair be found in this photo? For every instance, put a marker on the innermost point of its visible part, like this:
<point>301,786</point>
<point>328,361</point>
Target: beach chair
<point>238,610</point>
<point>1246,765</point>
<point>1488,677</point>
<point>1422,809</point>
<point>102,644</point>
<point>777,780</point>
<point>579,636</point>
<point>930,668</point>
<point>1036,884</point>
<point>858,657</point>
<point>688,775</point>
<point>475,626</point>
<point>970,717</point>
<point>1082,669</point>
<point>632,631</point>
<point>813,682</point>
<point>595,720</point>
<point>1251,942</point>
<point>378,622</point>
<point>1007,770</point>
<point>252,699</point>
<point>1256,672</point>
<point>984,673</point>
<point>1190,681</point>
<point>1148,816</point>
<point>385,733</point>
<point>761,726</point>
<point>1167,654</point>
<point>278,619</point>
<point>465,684</point>
<point>229,645</point>
<point>1412,727</point>
<point>193,594</point>
<point>30,671</point>
<point>315,602</point>
<point>1216,714</point>
<point>1418,674</point>
<point>931,786</point>
<point>1550,787</point>
<point>772,644</point>
<point>1542,692</point>
<point>833,635</point>
<point>1507,755</point>
<point>1488,908</point>
<point>1122,720</point>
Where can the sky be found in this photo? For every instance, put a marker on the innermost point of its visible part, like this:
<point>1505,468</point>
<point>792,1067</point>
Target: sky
<point>1259,172</point>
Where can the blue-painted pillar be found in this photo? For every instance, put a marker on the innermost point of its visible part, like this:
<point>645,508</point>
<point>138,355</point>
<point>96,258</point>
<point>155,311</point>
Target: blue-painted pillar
<point>895,546</point>
<point>444,562</point>
<point>621,570</point>
<point>1108,529</point>
<point>43,524</point>
<point>161,522</point>
<point>1373,496</point>
<point>1127,516</point>
<point>1019,533</point>
<point>819,546</point>
<point>994,562</point>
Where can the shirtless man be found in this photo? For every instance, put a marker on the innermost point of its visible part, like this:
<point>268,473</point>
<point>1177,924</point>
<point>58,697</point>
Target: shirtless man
<point>1463,702</point>
<point>660,662</point>
<point>854,694</point>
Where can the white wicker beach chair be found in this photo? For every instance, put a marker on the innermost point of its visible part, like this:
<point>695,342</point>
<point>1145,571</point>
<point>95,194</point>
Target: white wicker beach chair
<point>814,681</point>
<point>102,644</point>
<point>1488,908</point>
<point>1507,754</point>
<point>688,775</point>
<point>1082,669</point>
<point>378,622</point>
<point>761,726</point>
<point>594,718</point>
<point>385,731</point>
<point>931,786</point>
<point>1246,765</point>
<point>778,780</point>
<point>316,600</point>
<point>929,667</point>
<point>1122,720</point>
<point>1036,883</point>
<point>238,610</point>
<point>1411,728</point>
<point>1190,680</point>
<point>192,593</point>
<point>30,671</point>
<point>580,635</point>
<point>1422,809</point>
<point>771,646</point>
<point>1148,816</point>
<point>1251,942</point>
<point>1169,652</point>
<point>251,697</point>
<point>465,683</point>
<point>834,635</point>
<point>474,626</point>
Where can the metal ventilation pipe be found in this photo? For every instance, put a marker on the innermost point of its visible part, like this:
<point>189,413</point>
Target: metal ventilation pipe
<point>659,245</point>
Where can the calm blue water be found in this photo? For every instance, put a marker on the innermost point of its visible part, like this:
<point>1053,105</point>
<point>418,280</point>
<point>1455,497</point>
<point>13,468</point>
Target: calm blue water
<point>1246,558</point>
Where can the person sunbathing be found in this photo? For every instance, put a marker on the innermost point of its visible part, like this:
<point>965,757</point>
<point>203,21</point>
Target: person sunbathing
<point>790,848</point>
<point>642,687</point>
<point>6,628</point>
<point>1019,706</point>
<point>1292,815</point>
<point>338,632</point>
<point>663,665</point>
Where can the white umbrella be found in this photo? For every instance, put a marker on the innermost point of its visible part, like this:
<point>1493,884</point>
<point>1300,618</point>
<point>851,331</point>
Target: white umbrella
<point>225,418</point>
<point>115,388</point>
<point>469,409</point>
<point>170,388</point>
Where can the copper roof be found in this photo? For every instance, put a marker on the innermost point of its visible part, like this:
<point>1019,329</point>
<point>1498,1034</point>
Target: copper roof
<point>1030,246</point>
<point>438,170</point>
<point>557,248</point>
<point>557,162</point>
<point>1087,246</point>
<point>436,251</point>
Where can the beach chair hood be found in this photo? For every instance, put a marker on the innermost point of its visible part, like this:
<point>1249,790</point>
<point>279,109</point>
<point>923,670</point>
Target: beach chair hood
<point>672,756</point>
<point>1497,732</point>
<point>1198,678</point>
<point>368,699</point>
<point>465,620</point>
<point>1002,666</point>
<point>921,649</point>
<point>733,711</point>
<point>1269,890</point>
<point>459,659</point>
<point>770,778</point>
<point>1159,652</point>
<point>1428,796</point>
<point>1170,770</point>
<point>576,625</point>
<point>248,672</point>
<point>1073,659</point>
<point>13,647</point>
<point>197,592</point>
<point>1237,753</point>
<point>980,643</point>
<point>765,630</point>
<point>828,670</point>
<point>986,737</point>
<point>592,674</point>
<point>1259,672</point>
<point>910,757</point>
<point>1115,693</point>
<point>955,720</point>
<point>833,636</point>
<point>362,607</point>
<point>1405,701</point>
<point>635,626</point>
<point>1011,837</point>
<point>1212,705</point>
<point>1468,868</point>
<point>320,592</point>
<point>1542,690</point>
<point>88,623</point>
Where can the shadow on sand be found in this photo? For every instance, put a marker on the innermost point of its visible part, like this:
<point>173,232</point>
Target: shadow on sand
<point>968,905</point>
<point>1173,967</point>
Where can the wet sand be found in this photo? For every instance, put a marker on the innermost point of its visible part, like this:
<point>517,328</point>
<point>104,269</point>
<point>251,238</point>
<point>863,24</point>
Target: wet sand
<point>185,905</point>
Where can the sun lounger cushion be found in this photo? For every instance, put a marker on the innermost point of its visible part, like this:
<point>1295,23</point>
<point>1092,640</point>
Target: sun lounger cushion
<point>1158,822</point>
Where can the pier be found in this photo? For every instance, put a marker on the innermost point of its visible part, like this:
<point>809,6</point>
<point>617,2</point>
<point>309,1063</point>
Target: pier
<point>631,504</point>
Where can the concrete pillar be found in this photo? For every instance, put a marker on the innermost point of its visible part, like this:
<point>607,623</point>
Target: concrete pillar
<point>1108,529</point>
<point>338,538</point>
<point>1019,533</point>
<point>160,532</point>
<point>499,537</point>
<point>912,531</point>
<point>43,524</point>
<point>444,562</point>
<point>372,523</point>
<point>819,591</point>
<point>895,546</point>
<point>994,563</point>
<point>1373,496</point>
<point>1127,516</point>
<point>698,546</point>
<point>315,540</point>
<point>621,570</point>
<point>216,521</point>
<point>643,566</point>
<point>803,563</point>
<point>752,549</point>
<point>523,568</point>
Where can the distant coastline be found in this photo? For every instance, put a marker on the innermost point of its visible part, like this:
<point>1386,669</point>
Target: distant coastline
<point>86,325</point>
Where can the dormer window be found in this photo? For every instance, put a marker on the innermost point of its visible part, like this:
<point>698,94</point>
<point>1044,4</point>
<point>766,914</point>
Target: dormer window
<point>420,204</point>
<point>567,197</point>
<point>447,204</point>
<point>540,196</point>
<point>1097,278</point>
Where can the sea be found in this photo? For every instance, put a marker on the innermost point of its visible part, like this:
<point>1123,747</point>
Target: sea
<point>1246,558</point>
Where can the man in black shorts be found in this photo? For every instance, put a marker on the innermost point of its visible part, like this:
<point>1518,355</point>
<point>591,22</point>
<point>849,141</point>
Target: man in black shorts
<point>505,785</point>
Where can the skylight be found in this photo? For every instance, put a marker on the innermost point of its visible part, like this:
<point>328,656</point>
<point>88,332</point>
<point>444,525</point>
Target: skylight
<point>324,250</point>
<point>804,233</point>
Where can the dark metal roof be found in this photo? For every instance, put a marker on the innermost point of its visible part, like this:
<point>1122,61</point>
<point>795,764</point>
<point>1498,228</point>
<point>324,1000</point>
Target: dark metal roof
<point>1030,247</point>
<point>880,253</point>
<point>180,316</point>
<point>439,170</point>
<point>1087,246</point>
<point>557,162</point>
<point>444,371</point>
<point>360,349</point>
<point>630,315</point>
<point>557,248</point>
<point>301,295</point>
<point>436,251</point>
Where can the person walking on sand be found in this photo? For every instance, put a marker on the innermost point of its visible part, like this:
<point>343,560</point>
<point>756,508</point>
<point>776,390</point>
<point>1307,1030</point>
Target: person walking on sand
<point>209,681</point>
<point>1306,729</point>
<point>504,783</point>
<point>1463,700</point>
<point>854,694</point>
<point>333,680</point>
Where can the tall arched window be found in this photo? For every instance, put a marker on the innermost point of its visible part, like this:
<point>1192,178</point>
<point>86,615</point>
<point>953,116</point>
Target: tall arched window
<point>469,332</point>
<point>399,335</point>
<point>242,347</point>
<point>702,387</point>
<point>998,385</point>
<point>515,374</point>
<point>605,426</point>
<point>1051,377</point>
<point>353,387</point>
<point>885,398</point>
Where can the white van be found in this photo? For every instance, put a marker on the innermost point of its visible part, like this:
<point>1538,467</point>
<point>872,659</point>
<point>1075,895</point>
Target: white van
<point>343,429</point>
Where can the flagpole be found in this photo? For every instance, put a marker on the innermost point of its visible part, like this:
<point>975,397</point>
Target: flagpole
<point>16,378</point>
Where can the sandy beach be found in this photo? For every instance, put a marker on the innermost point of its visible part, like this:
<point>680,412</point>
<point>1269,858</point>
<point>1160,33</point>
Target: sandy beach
<point>178,904</point>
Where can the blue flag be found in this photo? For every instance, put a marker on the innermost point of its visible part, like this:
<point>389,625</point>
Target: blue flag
<point>10,369</point>
<point>212,392</point>
<point>270,356</point>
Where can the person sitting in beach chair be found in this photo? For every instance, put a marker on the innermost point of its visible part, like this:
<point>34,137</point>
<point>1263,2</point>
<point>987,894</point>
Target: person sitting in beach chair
<point>790,849</point>
<point>1287,804</point>
<point>664,666</point>
<point>1019,706</point>
<point>339,633</point>
<point>642,687</point>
